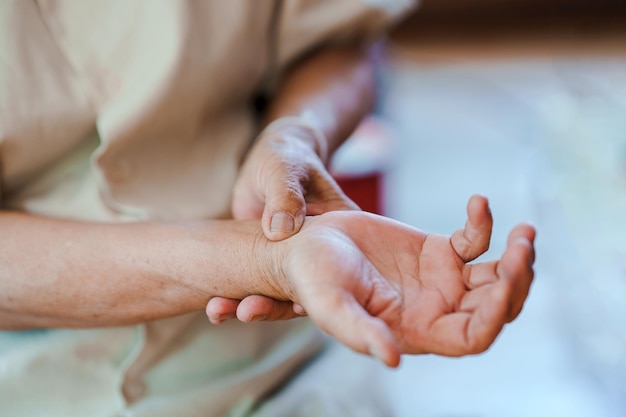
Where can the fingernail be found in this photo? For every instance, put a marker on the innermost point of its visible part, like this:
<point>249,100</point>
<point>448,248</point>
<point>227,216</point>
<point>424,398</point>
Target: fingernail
<point>282,222</point>
<point>218,319</point>
<point>298,309</point>
<point>258,318</point>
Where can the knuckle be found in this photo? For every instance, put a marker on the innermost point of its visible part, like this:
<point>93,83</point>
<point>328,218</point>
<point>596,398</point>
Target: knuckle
<point>291,196</point>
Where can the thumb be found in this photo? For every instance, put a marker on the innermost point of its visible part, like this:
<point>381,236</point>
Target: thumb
<point>284,210</point>
<point>343,318</point>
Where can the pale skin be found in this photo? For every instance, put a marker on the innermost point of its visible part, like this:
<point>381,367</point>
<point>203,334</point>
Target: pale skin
<point>62,279</point>
<point>384,288</point>
<point>407,293</point>
<point>64,273</point>
<point>285,173</point>
<point>376,285</point>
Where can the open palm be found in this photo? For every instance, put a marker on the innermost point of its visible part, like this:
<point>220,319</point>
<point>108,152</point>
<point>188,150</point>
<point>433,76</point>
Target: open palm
<point>384,288</point>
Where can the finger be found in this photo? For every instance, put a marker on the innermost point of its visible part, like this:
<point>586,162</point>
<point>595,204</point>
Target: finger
<point>480,274</point>
<point>285,206</point>
<point>477,275</point>
<point>473,331</point>
<point>516,266</point>
<point>472,299</point>
<point>261,308</point>
<point>523,230</point>
<point>489,318</point>
<point>219,309</point>
<point>299,310</point>
<point>473,240</point>
<point>343,318</point>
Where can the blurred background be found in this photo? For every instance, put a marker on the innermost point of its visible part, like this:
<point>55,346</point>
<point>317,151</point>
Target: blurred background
<point>525,102</point>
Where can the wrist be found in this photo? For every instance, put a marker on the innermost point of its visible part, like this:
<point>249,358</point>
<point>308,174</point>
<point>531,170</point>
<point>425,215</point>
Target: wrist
<point>250,263</point>
<point>271,267</point>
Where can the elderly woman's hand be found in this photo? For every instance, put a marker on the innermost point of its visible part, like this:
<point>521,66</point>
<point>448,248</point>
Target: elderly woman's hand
<point>384,288</point>
<point>283,179</point>
<point>319,101</point>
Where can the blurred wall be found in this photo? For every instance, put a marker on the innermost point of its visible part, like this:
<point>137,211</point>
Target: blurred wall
<point>462,16</point>
<point>447,9</point>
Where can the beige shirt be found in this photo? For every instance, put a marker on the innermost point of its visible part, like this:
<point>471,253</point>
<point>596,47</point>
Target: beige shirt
<point>120,110</point>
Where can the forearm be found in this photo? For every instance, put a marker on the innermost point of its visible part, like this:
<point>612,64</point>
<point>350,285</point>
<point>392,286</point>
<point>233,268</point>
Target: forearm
<point>335,86</point>
<point>58,273</point>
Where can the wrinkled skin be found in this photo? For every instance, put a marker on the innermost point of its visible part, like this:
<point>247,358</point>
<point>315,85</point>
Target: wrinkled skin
<point>281,174</point>
<point>384,288</point>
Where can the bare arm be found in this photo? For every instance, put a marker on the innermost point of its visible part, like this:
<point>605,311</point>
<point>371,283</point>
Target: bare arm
<point>284,176</point>
<point>377,285</point>
<point>59,273</point>
<point>336,86</point>
<point>320,102</point>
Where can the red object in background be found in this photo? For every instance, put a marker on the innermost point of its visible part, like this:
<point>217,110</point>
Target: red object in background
<point>364,190</point>
<point>359,165</point>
